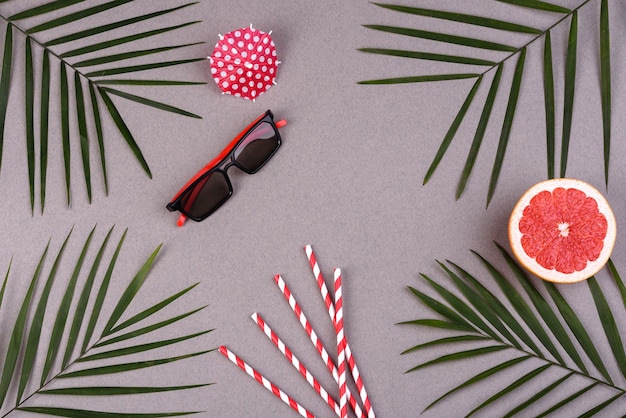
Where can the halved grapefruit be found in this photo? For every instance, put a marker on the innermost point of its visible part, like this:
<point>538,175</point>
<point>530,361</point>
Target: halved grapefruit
<point>562,230</point>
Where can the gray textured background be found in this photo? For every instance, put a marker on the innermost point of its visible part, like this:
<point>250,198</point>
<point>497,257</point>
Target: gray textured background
<point>348,180</point>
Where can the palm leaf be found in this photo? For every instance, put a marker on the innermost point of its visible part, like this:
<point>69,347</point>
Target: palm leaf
<point>519,382</point>
<point>140,348</point>
<point>473,30</point>
<point>481,306</point>
<point>567,400</point>
<point>4,284</point>
<point>618,280</point>
<point>536,397</point>
<point>63,312</point>
<point>21,362</point>
<point>570,84</point>
<point>500,311</point>
<point>463,309</point>
<point>130,292</point>
<point>521,307</point>
<point>82,413</point>
<point>480,377</point>
<point>30,122</point>
<point>463,18</point>
<point>43,126</point>
<point>148,102</point>
<point>123,128</point>
<point>15,342</point>
<point>128,55</point>
<point>82,132</point>
<point>126,367</point>
<point>608,323</point>
<point>5,82</point>
<point>558,391</point>
<point>442,309</point>
<point>127,82</point>
<point>538,5</point>
<point>73,17</point>
<point>548,94</point>
<point>110,26</point>
<point>461,355</point>
<point>579,331</point>
<point>34,336</point>
<point>151,311</point>
<point>116,390</point>
<point>99,133</point>
<point>51,17</point>
<point>605,78</point>
<point>595,410</point>
<point>43,9</point>
<point>548,316</point>
<point>99,302</point>
<point>480,132</point>
<point>427,56</point>
<point>507,124</point>
<point>452,131</point>
<point>146,329</point>
<point>436,323</point>
<point>447,340</point>
<point>65,129</point>
<point>442,37</point>
<point>81,306</point>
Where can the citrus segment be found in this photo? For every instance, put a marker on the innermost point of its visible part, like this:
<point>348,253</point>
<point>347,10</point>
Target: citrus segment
<point>562,230</point>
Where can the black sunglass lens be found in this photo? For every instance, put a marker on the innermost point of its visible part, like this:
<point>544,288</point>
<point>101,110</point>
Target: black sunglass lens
<point>207,195</point>
<point>257,147</point>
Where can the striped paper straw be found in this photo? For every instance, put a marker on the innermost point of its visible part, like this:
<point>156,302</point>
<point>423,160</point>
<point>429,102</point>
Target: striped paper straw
<point>295,362</point>
<point>331,312</point>
<point>295,307</point>
<point>341,346</point>
<point>266,383</point>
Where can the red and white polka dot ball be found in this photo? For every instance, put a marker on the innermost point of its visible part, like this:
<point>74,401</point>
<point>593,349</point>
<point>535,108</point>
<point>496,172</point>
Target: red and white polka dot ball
<point>244,63</point>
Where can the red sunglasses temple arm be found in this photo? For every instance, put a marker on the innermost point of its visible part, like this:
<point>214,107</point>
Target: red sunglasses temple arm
<point>182,218</point>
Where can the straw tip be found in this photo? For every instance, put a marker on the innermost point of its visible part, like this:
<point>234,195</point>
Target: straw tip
<point>254,316</point>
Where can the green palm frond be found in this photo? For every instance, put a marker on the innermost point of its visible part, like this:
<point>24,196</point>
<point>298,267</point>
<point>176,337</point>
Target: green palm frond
<point>557,352</point>
<point>86,60</point>
<point>479,64</point>
<point>33,367</point>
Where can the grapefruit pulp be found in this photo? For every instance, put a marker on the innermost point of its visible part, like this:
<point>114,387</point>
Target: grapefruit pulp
<point>562,230</point>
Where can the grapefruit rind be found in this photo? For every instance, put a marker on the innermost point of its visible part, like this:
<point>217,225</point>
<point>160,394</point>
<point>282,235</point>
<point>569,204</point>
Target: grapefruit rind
<point>515,236</point>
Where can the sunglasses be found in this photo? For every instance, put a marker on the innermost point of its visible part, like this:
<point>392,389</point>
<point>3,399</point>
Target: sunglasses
<point>210,187</point>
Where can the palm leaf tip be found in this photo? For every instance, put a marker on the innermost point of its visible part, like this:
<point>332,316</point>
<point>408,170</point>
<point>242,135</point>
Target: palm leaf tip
<point>605,72</point>
<point>5,82</point>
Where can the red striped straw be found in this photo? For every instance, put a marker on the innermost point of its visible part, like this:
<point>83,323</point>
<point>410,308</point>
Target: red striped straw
<point>296,363</point>
<point>331,312</point>
<point>341,346</point>
<point>266,383</point>
<point>295,307</point>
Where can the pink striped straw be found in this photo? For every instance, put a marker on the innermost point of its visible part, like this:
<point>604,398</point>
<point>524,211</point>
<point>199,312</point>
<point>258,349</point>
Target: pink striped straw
<point>331,312</point>
<point>295,307</point>
<point>296,363</point>
<point>266,383</point>
<point>341,346</point>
